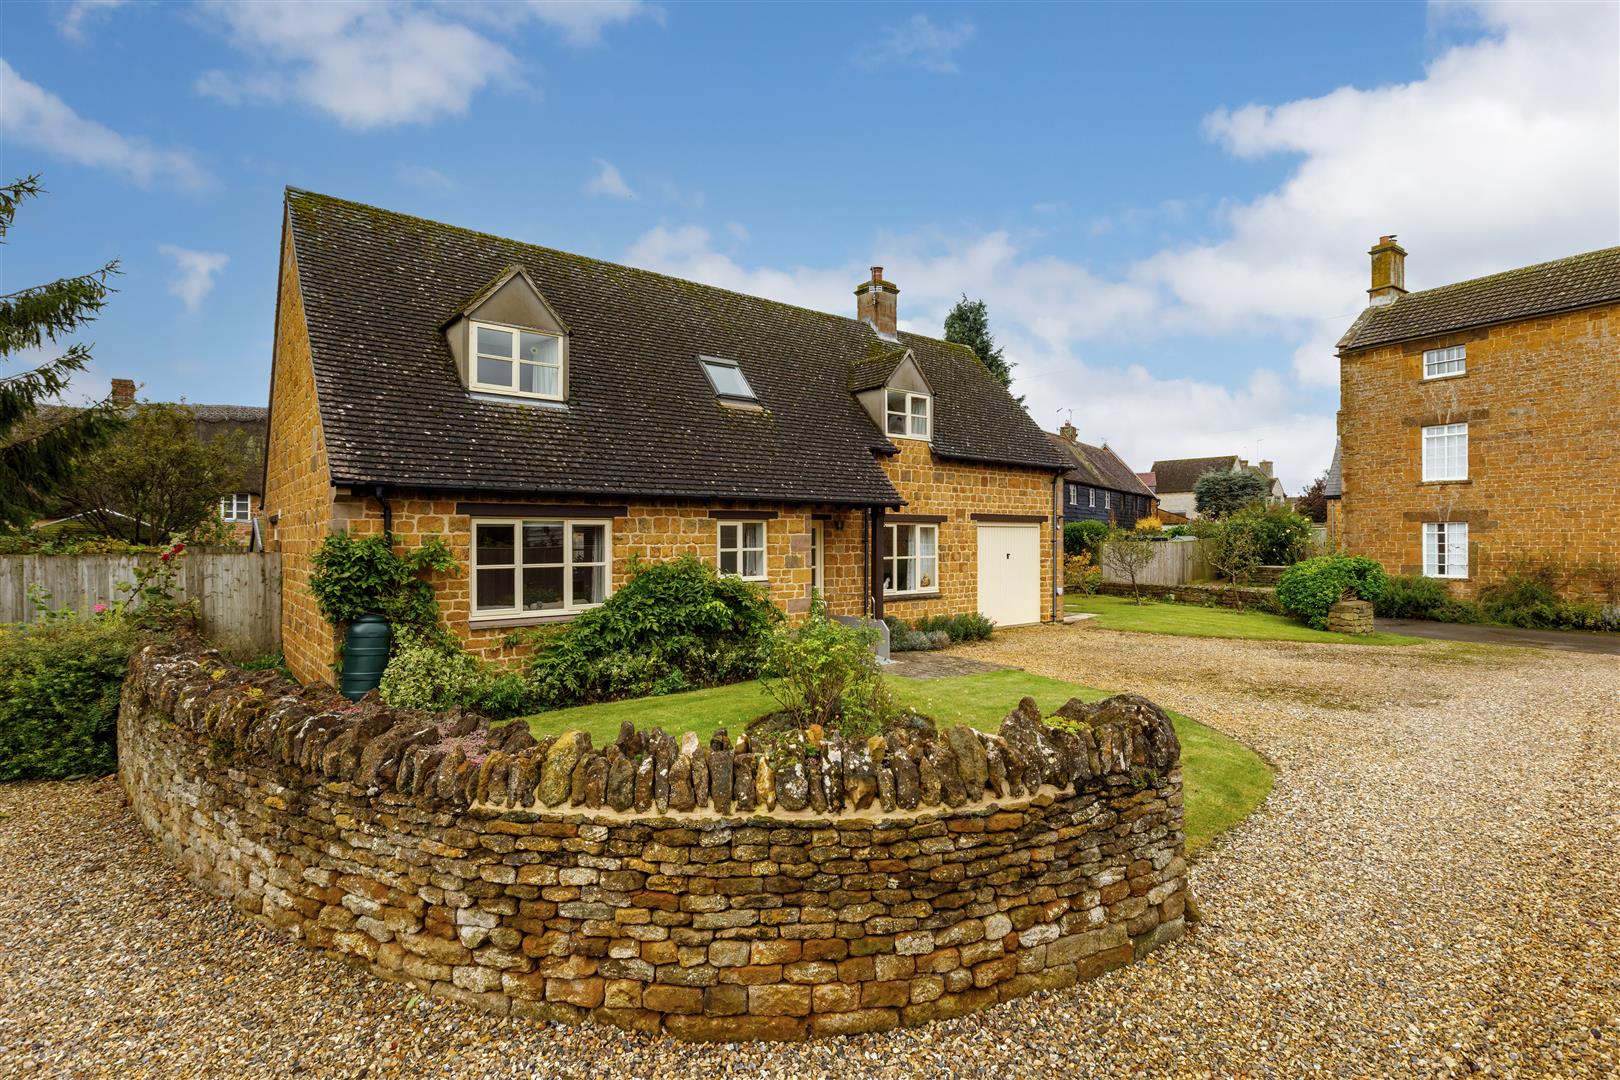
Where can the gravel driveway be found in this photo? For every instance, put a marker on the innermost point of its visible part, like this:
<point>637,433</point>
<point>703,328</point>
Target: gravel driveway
<point>1431,890</point>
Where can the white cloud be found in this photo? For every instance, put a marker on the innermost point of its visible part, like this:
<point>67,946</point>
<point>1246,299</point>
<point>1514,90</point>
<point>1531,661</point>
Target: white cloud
<point>917,42</point>
<point>608,181</point>
<point>425,177</point>
<point>76,14</point>
<point>33,116</point>
<point>581,22</point>
<point>194,274</point>
<point>366,65</point>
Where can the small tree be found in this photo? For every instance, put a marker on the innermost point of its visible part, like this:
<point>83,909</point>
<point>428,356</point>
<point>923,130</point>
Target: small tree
<point>1129,553</point>
<point>1220,492</point>
<point>1234,551</point>
<point>157,477</point>
<point>1312,501</point>
<point>40,448</point>
<point>969,324</point>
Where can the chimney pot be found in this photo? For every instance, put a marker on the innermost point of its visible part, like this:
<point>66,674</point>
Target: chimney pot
<point>123,391</point>
<point>876,303</point>
<point>1069,432</point>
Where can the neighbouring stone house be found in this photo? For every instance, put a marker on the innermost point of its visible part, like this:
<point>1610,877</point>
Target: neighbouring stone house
<point>1479,423</point>
<point>1099,486</point>
<point>552,416</point>
<point>1175,478</point>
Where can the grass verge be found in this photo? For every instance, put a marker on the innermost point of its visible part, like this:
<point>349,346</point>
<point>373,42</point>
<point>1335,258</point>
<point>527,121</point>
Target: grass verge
<point>1223,780</point>
<point>1194,620</point>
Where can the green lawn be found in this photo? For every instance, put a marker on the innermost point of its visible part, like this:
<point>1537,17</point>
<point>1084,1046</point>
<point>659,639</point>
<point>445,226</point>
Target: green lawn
<point>1223,779</point>
<point>1194,620</point>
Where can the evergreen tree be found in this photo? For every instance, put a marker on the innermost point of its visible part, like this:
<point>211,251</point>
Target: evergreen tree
<point>1312,501</point>
<point>41,446</point>
<point>969,324</point>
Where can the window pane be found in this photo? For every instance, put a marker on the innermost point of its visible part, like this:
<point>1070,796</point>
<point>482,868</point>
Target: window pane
<point>905,540</point>
<point>754,534</point>
<point>542,588</point>
<point>535,379</point>
<point>927,572</point>
<point>494,372</point>
<point>927,540</point>
<point>897,401</point>
<point>753,563</point>
<point>543,544</point>
<point>905,575</point>
<point>728,560</point>
<point>589,543</point>
<point>540,348</point>
<point>590,585</point>
<point>897,423</point>
<point>496,545</point>
<point>495,589</point>
<point>888,540</point>
<point>728,537</point>
<point>497,342</point>
<point>728,379</point>
<point>919,407</point>
<point>919,424</point>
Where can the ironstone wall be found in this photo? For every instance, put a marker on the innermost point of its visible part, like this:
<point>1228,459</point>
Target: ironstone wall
<point>483,866</point>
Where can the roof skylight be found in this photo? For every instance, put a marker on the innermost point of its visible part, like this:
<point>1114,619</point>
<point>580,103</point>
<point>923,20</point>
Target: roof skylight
<point>727,378</point>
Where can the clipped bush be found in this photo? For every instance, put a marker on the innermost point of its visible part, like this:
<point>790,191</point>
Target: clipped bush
<point>1410,597</point>
<point>673,625</point>
<point>1308,589</point>
<point>59,686</point>
<point>1085,537</point>
<point>970,626</point>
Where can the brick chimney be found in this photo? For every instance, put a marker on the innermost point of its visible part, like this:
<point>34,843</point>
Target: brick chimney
<point>1069,432</point>
<point>123,391</point>
<point>875,303</point>
<point>1388,272</point>
<point>1266,467</point>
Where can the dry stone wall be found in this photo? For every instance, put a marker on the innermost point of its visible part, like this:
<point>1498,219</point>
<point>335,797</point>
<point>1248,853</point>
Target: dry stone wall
<point>933,874</point>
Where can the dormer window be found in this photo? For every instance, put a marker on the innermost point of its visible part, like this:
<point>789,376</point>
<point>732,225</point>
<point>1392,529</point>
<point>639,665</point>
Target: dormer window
<point>908,414</point>
<point>511,360</point>
<point>727,379</point>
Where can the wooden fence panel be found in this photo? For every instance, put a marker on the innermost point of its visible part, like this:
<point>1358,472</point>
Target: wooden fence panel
<point>238,593</point>
<point>1175,562</point>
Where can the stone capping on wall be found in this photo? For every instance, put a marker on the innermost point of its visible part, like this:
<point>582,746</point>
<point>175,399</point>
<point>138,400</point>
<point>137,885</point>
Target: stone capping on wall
<point>719,891</point>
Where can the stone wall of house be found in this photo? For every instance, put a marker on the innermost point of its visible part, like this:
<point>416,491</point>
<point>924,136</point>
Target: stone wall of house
<point>1541,398</point>
<point>297,505</point>
<point>936,873</point>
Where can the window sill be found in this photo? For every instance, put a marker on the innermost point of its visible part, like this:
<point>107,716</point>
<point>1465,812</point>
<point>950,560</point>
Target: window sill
<point>502,622</point>
<point>1443,483</point>
<point>1448,375</point>
<point>896,597</point>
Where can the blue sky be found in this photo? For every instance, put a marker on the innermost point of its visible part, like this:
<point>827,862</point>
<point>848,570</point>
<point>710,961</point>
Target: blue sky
<point>1166,206</point>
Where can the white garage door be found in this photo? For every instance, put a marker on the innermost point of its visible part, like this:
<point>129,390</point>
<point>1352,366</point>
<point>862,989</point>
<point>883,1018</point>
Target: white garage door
<point>1010,573</point>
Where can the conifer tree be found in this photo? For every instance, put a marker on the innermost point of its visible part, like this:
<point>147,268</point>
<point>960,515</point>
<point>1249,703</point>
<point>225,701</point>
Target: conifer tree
<point>969,324</point>
<point>41,446</point>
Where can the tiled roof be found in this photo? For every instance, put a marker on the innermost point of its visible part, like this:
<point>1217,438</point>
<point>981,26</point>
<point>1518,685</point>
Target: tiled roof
<point>1180,474</point>
<point>1576,282</point>
<point>1098,466</point>
<point>1149,480</point>
<point>1333,487</point>
<point>641,418</point>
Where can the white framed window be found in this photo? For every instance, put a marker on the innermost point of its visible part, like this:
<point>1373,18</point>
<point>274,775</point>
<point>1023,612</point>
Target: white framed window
<point>1108,500</point>
<point>238,507</point>
<point>524,567</point>
<point>727,378</point>
<point>1074,494</point>
<point>1445,452</point>
<point>1438,363</point>
<point>1091,498</point>
<point>911,559</point>
<point>742,549</point>
<point>909,415</point>
<point>1445,549</point>
<point>512,360</point>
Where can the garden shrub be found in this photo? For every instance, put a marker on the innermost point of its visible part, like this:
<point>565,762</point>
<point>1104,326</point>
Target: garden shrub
<point>1309,588</point>
<point>824,672</point>
<point>1080,574</point>
<point>1523,600</point>
<point>1410,597</point>
<point>1220,492</point>
<point>432,672</point>
<point>354,576</point>
<point>1280,537</point>
<point>1085,537</point>
<point>673,625</point>
<point>970,626</point>
<point>59,686</point>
